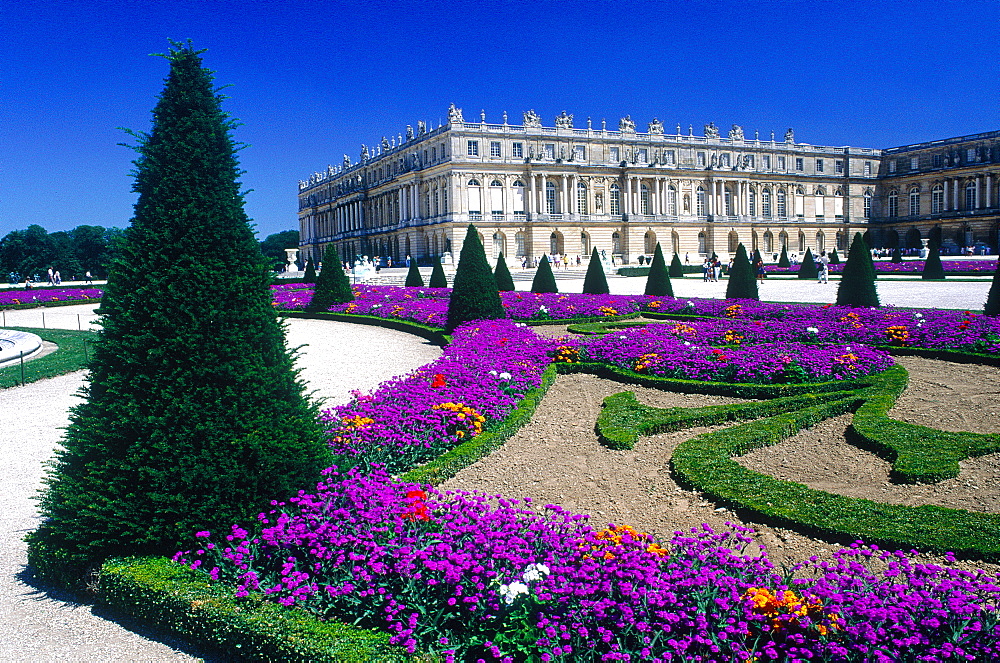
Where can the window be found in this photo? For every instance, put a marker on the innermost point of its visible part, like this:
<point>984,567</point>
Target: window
<point>581,198</point>
<point>700,202</point>
<point>495,149</point>
<point>644,200</point>
<point>839,166</point>
<point>616,199</point>
<point>914,201</point>
<point>970,196</point>
<point>765,161</point>
<point>585,242</point>
<point>752,202</point>
<point>765,203</point>
<point>550,150</point>
<point>819,203</point>
<point>670,158</point>
<point>819,165</point>
<point>550,198</point>
<point>799,164</point>
<point>727,199</point>
<point>643,155</point>
<point>671,201</point>
<point>893,204</point>
<point>749,161</point>
<point>517,192</point>
<point>914,161</point>
<point>434,154</point>
<point>517,150</point>
<point>781,163</point>
<point>970,154</point>
<point>725,161</point>
<point>615,155</point>
<point>580,153</point>
<point>892,166</point>
<point>838,204</point>
<point>937,160</point>
<point>868,204</point>
<point>701,159</point>
<point>496,197</point>
<point>475,199</point>
<point>473,149</point>
<point>868,169</point>
<point>781,204</point>
<point>937,199</point>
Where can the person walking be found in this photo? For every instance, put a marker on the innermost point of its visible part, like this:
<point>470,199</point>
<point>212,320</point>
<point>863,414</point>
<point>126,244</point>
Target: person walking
<point>88,279</point>
<point>822,268</point>
<point>761,273</point>
<point>705,266</point>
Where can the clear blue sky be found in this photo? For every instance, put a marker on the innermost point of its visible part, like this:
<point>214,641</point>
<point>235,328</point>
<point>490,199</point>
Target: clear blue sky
<point>312,80</point>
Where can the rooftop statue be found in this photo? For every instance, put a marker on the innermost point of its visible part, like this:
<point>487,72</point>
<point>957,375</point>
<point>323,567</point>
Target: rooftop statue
<point>532,119</point>
<point>736,133</point>
<point>626,125</point>
<point>347,161</point>
<point>656,127</point>
<point>564,121</point>
<point>790,135</point>
<point>711,131</point>
<point>455,115</point>
<point>409,132</point>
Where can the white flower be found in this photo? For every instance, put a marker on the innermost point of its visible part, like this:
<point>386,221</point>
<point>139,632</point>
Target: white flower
<point>918,315</point>
<point>812,330</point>
<point>542,309</point>
<point>687,342</point>
<point>493,373</point>
<point>505,376</point>
<point>535,572</point>
<point>512,591</point>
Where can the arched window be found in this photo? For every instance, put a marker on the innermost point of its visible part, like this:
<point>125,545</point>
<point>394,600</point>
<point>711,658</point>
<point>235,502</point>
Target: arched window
<point>616,199</point>
<point>585,243</point>
<point>675,240</point>
<point>768,242</point>
<point>914,201</point>
<point>700,201</point>
<point>782,204</point>
<point>802,242</point>
<point>971,199</point>
<point>496,198</point>
<point>702,243</point>
<point>783,240</point>
<point>555,244</point>
<point>519,245</point>
<point>868,204</point>
<point>765,203</point>
<point>649,243</point>
<point>820,241</point>
<point>499,244</point>
<point>616,243</point>
<point>550,198</point>
<point>937,199</point>
<point>752,201</point>
<point>581,198</point>
<point>475,199</point>
<point>644,199</point>
<point>819,202</point>
<point>727,201</point>
<point>838,203</point>
<point>893,204</point>
<point>799,202</point>
<point>671,201</point>
<point>734,241</point>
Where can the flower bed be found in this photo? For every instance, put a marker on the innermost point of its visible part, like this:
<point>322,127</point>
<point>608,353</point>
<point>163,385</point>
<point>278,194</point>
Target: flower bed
<point>42,297</point>
<point>956,267</point>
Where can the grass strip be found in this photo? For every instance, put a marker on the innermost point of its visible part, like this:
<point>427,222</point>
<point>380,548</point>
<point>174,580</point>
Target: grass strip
<point>72,355</point>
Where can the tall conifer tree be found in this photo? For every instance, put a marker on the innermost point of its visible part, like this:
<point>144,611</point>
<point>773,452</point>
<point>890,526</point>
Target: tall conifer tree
<point>992,305</point>
<point>310,275</point>
<point>545,280</point>
<point>857,284</point>
<point>783,261</point>
<point>413,277</point>
<point>595,282</point>
<point>438,279</point>
<point>742,282</point>
<point>504,281</point>
<point>933,269</point>
<point>676,268</point>
<point>194,417</point>
<point>807,269</point>
<point>474,294</point>
<point>658,280</point>
<point>332,284</point>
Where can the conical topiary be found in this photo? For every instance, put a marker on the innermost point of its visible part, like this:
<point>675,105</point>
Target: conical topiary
<point>834,257</point>
<point>742,281</point>
<point>310,275</point>
<point>676,268</point>
<point>474,294</point>
<point>897,255</point>
<point>992,305</point>
<point>595,282</point>
<point>438,279</point>
<point>413,278</point>
<point>755,258</point>
<point>194,418</point>
<point>545,280</point>
<point>933,269</point>
<point>504,281</point>
<point>807,270</point>
<point>857,283</point>
<point>332,284</point>
<point>783,261</point>
<point>658,281</point>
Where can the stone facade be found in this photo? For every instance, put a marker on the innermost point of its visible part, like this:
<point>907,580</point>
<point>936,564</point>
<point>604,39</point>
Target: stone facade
<point>533,190</point>
<point>952,183</point>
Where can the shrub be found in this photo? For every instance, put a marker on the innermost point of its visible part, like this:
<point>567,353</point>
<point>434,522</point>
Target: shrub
<point>502,275</point>
<point>192,397</point>
<point>807,270</point>
<point>545,280</point>
<point>992,305</point>
<point>783,260</point>
<point>474,295</point>
<point>742,282</point>
<point>857,284</point>
<point>834,257</point>
<point>933,270</point>
<point>413,278</point>
<point>438,279</point>
<point>658,282</point>
<point>595,282</point>
<point>332,286</point>
<point>676,268</point>
<point>310,275</point>
<point>897,255</point>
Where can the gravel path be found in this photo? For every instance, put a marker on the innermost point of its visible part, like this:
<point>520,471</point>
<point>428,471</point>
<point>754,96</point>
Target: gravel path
<point>35,626</point>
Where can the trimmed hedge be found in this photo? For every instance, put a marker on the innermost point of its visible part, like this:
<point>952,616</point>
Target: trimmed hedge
<point>184,602</point>
<point>435,335</point>
<point>71,356</point>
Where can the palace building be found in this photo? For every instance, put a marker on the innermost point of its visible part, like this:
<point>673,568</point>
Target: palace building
<point>533,190</point>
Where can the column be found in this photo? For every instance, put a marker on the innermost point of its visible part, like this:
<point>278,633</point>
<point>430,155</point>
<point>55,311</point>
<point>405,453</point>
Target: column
<point>573,194</point>
<point>946,202</point>
<point>709,198</point>
<point>400,216</point>
<point>979,192</point>
<point>956,188</point>
<point>542,181</point>
<point>563,202</point>
<point>988,198</point>
<point>529,204</point>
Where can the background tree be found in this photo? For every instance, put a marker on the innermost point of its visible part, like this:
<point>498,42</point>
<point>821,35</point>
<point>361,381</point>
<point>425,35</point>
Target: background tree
<point>658,280</point>
<point>783,261</point>
<point>807,268</point>
<point>992,305</point>
<point>834,257</point>
<point>273,247</point>
<point>438,279</point>
<point>545,280</point>
<point>897,255</point>
<point>742,281</point>
<point>413,277</point>
<point>310,275</point>
<point>857,283</point>
<point>504,281</point>
<point>194,417</point>
<point>933,269</point>
<point>474,294</point>
<point>595,282</point>
<point>756,257</point>
<point>676,268</point>
<point>332,284</point>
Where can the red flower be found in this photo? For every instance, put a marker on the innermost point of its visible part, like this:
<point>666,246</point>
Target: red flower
<point>417,509</point>
<point>438,381</point>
